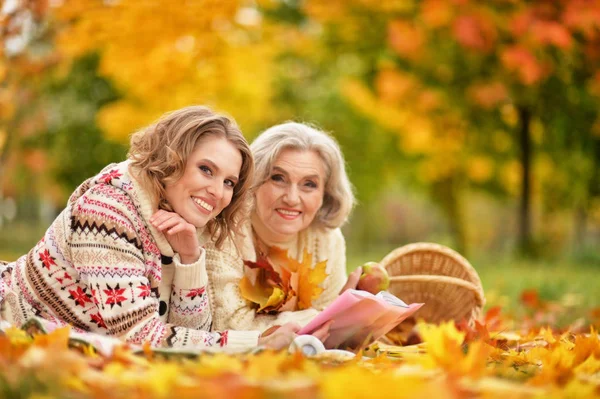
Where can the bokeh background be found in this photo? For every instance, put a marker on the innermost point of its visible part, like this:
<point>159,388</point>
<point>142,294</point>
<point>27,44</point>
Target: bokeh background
<point>467,123</point>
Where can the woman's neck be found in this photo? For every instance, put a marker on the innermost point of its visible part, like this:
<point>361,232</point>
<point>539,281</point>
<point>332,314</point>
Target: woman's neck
<point>267,236</point>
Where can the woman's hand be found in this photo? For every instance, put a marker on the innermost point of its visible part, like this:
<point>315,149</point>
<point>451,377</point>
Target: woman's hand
<point>279,337</point>
<point>179,233</point>
<point>352,281</point>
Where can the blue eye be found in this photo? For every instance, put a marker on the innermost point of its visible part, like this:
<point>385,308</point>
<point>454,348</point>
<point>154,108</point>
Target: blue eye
<point>229,183</point>
<point>205,169</point>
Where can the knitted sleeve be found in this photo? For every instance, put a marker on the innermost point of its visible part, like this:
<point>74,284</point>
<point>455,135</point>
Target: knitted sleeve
<point>335,250</point>
<point>108,249</point>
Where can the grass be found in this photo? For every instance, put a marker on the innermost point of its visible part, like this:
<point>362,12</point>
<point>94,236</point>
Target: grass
<point>573,285</point>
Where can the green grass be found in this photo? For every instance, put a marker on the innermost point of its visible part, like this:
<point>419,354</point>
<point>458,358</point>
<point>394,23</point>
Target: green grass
<point>574,286</point>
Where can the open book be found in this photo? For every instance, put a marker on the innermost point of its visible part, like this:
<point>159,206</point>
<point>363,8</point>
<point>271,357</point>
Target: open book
<point>360,317</point>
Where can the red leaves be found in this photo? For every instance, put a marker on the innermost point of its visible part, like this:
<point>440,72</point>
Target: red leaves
<point>475,32</point>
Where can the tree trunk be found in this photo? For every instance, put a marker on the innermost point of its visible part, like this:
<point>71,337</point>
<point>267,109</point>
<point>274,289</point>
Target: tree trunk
<point>449,193</point>
<point>525,243</point>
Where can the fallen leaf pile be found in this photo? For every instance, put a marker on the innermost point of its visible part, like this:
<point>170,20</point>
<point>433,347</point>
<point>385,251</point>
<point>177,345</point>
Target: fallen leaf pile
<point>278,283</point>
<point>483,360</point>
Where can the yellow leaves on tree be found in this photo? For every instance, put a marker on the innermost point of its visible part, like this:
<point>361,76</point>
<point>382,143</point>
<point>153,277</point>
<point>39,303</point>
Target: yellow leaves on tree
<point>279,283</point>
<point>163,57</point>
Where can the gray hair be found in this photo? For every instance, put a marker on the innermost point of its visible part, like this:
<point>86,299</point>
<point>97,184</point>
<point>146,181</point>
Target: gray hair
<point>338,198</point>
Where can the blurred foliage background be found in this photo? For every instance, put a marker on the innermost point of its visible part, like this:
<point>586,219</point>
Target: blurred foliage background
<point>472,124</point>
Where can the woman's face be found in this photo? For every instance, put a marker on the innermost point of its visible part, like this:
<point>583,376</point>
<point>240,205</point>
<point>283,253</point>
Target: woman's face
<point>206,187</point>
<point>291,197</point>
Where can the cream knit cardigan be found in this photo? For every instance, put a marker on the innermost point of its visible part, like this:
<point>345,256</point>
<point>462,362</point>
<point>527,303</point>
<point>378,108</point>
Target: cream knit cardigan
<point>225,269</point>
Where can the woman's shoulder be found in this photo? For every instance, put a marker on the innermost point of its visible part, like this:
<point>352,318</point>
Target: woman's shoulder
<point>238,244</point>
<point>324,234</point>
<point>110,192</point>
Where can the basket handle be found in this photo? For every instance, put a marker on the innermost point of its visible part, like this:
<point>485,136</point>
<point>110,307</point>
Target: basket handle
<point>422,278</point>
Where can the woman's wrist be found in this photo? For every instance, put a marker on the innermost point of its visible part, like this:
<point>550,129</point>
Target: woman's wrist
<point>188,259</point>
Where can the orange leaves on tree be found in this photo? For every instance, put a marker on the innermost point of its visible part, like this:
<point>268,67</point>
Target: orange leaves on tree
<point>437,14</point>
<point>475,32</point>
<point>524,64</point>
<point>279,283</point>
<point>552,33</point>
<point>582,16</point>
<point>392,86</point>
<point>487,95</point>
<point>406,39</point>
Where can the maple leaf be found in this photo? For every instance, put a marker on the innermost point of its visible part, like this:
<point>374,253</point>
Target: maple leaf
<point>310,279</point>
<point>279,283</point>
<point>445,349</point>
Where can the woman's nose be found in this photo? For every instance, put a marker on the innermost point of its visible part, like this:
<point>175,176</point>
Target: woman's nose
<point>216,189</point>
<point>291,196</point>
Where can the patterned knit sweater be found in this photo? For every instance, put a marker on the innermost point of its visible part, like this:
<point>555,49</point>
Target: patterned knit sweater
<point>226,268</point>
<point>102,267</point>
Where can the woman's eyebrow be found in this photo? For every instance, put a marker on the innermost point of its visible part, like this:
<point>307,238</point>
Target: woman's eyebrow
<point>217,169</point>
<point>210,163</point>
<point>279,169</point>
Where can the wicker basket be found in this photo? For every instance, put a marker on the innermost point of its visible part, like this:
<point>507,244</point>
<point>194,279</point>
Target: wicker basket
<point>438,277</point>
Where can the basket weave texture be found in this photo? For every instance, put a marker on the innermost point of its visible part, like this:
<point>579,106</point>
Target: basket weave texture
<point>437,276</point>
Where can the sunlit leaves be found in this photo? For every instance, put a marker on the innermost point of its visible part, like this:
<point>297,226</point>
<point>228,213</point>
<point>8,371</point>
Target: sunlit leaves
<point>186,55</point>
<point>446,365</point>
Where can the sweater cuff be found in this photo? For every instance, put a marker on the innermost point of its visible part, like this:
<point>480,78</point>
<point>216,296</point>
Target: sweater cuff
<point>192,275</point>
<point>242,340</point>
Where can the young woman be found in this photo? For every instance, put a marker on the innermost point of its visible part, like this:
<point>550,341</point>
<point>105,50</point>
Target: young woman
<point>125,256</point>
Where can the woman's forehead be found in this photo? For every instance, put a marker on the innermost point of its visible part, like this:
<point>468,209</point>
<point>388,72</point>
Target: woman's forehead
<point>299,162</point>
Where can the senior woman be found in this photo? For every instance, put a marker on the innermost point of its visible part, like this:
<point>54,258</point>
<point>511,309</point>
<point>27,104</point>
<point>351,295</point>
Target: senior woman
<point>302,196</point>
<point>124,258</point>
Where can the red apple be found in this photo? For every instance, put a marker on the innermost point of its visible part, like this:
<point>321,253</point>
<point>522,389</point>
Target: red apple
<point>374,278</point>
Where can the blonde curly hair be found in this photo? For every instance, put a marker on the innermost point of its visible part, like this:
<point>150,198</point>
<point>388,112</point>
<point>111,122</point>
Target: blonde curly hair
<point>159,153</point>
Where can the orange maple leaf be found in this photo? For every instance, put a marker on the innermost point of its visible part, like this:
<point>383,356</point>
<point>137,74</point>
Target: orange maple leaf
<point>279,283</point>
<point>310,279</point>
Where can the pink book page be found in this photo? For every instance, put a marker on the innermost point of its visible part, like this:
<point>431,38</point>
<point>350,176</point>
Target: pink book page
<point>341,303</point>
<point>358,319</point>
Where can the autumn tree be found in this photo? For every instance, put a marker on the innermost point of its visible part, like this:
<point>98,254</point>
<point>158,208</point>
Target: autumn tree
<point>465,84</point>
<point>163,56</point>
<point>24,56</point>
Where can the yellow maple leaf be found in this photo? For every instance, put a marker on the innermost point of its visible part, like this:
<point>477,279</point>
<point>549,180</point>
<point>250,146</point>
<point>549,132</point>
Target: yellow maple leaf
<point>264,296</point>
<point>309,280</point>
<point>445,349</point>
